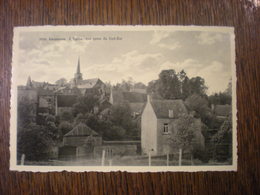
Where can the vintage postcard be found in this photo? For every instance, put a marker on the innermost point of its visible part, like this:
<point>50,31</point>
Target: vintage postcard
<point>123,98</point>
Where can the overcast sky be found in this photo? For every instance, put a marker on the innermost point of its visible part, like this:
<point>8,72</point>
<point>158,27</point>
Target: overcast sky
<point>140,55</point>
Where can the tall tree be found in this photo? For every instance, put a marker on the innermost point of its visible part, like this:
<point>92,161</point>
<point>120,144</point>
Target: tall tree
<point>169,85</point>
<point>34,142</point>
<point>182,138</point>
<point>121,116</point>
<point>197,85</point>
<point>26,112</point>
<point>184,84</point>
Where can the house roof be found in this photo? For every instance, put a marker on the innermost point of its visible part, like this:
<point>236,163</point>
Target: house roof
<point>66,100</point>
<point>68,90</point>
<point>162,107</point>
<point>88,83</point>
<point>81,130</point>
<point>42,91</point>
<point>222,110</point>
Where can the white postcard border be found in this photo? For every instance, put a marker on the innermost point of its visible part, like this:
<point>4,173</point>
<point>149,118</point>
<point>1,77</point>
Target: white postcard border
<point>13,111</point>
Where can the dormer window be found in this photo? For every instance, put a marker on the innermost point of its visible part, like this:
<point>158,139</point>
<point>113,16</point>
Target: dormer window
<point>165,128</point>
<point>170,113</point>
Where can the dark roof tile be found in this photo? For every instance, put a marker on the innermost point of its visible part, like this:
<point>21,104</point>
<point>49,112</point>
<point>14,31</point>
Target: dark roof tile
<point>162,107</point>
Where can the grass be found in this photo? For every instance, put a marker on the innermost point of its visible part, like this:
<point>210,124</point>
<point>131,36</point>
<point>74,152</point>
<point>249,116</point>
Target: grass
<point>123,161</point>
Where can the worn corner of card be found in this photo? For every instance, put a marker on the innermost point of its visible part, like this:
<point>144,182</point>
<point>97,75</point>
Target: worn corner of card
<point>123,98</point>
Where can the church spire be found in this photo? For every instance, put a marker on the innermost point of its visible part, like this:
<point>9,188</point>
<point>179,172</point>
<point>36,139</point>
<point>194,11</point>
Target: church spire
<point>78,68</point>
<point>78,76</point>
<point>29,82</point>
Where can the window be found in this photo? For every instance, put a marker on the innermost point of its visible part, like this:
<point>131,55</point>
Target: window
<point>165,128</point>
<point>170,113</point>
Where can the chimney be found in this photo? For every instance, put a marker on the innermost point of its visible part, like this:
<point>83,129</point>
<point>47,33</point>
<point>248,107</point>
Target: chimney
<point>170,113</point>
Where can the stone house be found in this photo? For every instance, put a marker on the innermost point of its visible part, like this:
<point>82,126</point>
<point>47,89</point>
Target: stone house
<point>158,124</point>
<point>80,142</point>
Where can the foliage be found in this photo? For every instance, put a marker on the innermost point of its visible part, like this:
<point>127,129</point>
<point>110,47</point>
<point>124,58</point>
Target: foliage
<point>228,91</point>
<point>34,142</point>
<point>64,127</point>
<point>66,116</point>
<point>121,116</point>
<point>172,85</point>
<point>115,133</point>
<point>183,137</point>
<point>169,85</point>
<point>222,140</point>
<point>51,128</point>
<point>197,86</point>
<point>220,99</point>
<point>200,105</point>
<point>61,82</point>
<point>139,85</point>
<point>85,104</point>
<point>26,112</point>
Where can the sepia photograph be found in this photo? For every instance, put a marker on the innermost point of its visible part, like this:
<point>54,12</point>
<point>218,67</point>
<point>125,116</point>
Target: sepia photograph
<point>123,98</point>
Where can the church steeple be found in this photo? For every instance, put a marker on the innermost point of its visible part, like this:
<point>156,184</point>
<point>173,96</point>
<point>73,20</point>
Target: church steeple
<point>78,76</point>
<point>29,82</point>
<point>78,68</point>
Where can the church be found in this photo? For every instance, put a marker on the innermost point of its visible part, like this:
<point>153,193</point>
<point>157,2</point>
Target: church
<point>56,98</point>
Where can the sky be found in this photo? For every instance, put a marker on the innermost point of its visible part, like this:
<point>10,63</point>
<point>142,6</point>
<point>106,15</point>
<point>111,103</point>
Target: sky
<point>116,55</point>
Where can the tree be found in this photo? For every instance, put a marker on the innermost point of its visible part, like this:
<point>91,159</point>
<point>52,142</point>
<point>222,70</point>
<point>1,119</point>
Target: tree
<point>197,85</point>
<point>66,116</point>
<point>85,104</point>
<point>34,142</point>
<point>183,137</point>
<point>223,141</point>
<point>125,85</point>
<point>51,128</point>
<point>61,82</point>
<point>169,85</point>
<point>26,112</point>
<point>65,127</point>
<point>121,116</point>
<point>200,105</point>
<point>228,91</point>
<point>139,85</point>
<point>115,133</point>
<point>185,84</point>
<point>220,99</point>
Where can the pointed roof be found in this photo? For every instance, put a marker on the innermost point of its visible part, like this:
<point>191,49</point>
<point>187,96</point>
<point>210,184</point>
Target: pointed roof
<point>29,82</point>
<point>78,67</point>
<point>81,130</point>
<point>88,83</point>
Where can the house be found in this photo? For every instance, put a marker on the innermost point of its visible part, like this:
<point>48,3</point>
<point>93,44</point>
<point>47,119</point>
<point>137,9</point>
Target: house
<point>80,142</point>
<point>158,124</point>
